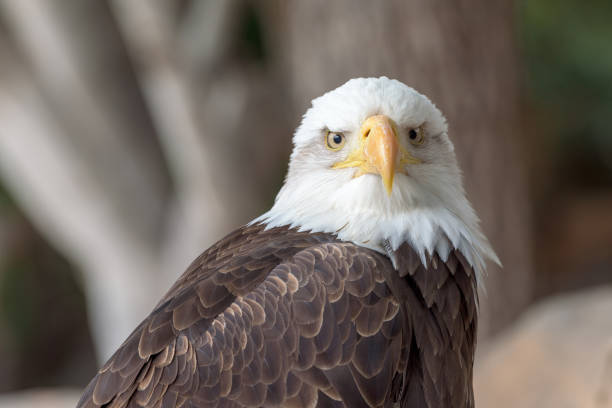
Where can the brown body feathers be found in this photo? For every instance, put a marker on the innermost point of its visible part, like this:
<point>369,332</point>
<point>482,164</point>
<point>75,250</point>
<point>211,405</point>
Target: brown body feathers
<point>294,319</point>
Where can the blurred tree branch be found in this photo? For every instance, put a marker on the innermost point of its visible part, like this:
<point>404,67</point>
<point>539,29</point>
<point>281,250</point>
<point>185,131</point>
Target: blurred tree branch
<point>56,138</point>
<point>97,188</point>
<point>55,185</point>
<point>197,214</point>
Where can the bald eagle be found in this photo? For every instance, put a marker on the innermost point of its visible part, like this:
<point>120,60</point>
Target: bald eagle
<point>358,288</point>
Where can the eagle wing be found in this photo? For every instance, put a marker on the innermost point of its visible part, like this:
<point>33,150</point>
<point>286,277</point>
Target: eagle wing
<point>285,318</point>
<point>264,318</point>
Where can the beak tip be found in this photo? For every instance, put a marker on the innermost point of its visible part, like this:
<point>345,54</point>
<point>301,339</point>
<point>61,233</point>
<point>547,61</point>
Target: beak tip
<point>388,187</point>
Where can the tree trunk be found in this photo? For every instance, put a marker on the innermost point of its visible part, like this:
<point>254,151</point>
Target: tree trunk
<point>461,55</point>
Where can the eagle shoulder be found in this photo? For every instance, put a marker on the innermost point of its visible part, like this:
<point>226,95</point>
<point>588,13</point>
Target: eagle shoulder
<point>231,267</point>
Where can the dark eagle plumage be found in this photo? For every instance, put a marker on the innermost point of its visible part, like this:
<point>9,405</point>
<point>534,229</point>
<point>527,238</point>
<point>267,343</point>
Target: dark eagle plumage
<point>284,318</point>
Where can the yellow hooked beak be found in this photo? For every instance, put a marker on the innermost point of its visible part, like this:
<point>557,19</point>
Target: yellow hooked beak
<point>379,151</point>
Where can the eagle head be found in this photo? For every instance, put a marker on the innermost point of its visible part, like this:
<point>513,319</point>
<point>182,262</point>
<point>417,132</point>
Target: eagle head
<point>373,163</point>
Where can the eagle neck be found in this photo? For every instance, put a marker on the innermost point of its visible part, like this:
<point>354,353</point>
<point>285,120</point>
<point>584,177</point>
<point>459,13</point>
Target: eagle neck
<point>427,231</point>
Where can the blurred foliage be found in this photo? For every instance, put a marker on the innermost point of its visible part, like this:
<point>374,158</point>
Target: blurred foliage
<point>567,51</point>
<point>5,201</point>
<point>252,36</point>
<point>42,310</point>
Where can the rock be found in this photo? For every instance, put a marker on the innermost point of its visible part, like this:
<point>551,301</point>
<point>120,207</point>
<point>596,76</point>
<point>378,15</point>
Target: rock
<point>559,354</point>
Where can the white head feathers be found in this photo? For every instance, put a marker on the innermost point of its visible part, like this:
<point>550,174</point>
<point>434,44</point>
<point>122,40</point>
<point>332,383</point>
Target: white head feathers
<point>427,207</point>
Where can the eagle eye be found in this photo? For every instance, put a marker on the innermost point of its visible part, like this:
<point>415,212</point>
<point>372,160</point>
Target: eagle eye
<point>334,140</point>
<point>416,136</point>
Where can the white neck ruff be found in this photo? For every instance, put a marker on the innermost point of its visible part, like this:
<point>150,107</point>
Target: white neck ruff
<point>356,213</point>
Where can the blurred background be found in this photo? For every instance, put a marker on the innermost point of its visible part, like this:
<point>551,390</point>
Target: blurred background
<point>134,134</point>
